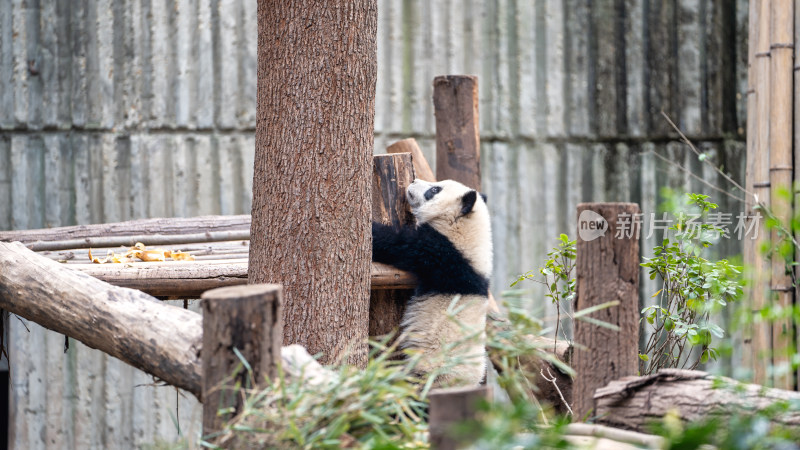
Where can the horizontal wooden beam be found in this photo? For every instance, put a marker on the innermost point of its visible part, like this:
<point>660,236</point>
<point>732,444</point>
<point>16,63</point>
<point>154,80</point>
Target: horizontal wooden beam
<point>216,241</point>
<point>189,279</point>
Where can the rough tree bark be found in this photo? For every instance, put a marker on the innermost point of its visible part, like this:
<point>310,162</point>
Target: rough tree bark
<point>317,65</point>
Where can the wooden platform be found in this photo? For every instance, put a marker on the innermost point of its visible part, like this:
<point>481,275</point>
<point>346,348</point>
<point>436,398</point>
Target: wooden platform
<point>220,245</point>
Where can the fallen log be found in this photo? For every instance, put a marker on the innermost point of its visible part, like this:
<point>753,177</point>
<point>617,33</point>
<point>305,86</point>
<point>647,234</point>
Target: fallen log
<point>633,402</point>
<point>161,339</point>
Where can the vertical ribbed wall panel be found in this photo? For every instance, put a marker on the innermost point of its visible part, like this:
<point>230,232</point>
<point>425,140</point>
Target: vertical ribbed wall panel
<point>114,110</point>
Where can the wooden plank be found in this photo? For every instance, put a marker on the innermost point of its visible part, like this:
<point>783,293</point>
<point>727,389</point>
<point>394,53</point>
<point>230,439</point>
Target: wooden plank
<point>636,92</point>
<point>455,99</point>
<point>608,112</point>
<point>7,40</point>
<point>247,319</point>
<point>691,53</point>
<point>661,67</point>
<point>180,279</point>
<point>422,170</point>
<point>607,269</point>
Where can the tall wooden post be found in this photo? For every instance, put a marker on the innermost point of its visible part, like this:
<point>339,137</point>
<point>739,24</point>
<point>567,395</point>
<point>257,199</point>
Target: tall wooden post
<point>607,270</point>
<point>458,144</point>
<point>391,175</point>
<point>248,319</point>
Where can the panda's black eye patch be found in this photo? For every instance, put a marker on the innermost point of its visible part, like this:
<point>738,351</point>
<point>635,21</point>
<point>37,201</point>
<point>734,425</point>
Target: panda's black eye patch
<point>431,192</point>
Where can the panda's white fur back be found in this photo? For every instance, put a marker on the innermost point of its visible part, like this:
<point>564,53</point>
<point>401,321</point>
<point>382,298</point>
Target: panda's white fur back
<point>429,329</point>
<point>426,326</point>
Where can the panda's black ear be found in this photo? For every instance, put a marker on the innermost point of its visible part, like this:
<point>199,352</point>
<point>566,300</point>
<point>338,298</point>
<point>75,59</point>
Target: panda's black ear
<point>485,198</point>
<point>467,202</point>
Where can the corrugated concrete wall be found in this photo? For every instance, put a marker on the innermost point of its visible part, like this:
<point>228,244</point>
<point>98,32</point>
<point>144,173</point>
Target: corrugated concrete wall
<point>113,110</point>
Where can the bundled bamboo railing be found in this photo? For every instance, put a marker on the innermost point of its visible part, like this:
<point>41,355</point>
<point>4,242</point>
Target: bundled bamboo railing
<point>769,179</point>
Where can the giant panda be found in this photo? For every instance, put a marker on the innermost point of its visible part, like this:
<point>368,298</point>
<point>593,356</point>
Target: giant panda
<point>449,250</point>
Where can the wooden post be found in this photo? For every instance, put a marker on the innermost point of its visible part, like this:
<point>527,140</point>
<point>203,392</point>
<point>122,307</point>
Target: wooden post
<point>455,103</point>
<point>422,169</point>
<point>391,175</point>
<point>780,173</point>
<point>247,318</point>
<point>450,406</point>
<point>607,270</point>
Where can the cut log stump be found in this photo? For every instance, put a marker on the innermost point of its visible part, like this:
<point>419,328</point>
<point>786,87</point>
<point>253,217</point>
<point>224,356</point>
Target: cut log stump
<point>247,319</point>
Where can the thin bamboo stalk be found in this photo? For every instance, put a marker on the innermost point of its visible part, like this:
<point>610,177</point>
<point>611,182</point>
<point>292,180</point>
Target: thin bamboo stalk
<point>749,249</point>
<point>162,225</point>
<point>796,98</point>
<point>780,173</point>
<point>757,355</point>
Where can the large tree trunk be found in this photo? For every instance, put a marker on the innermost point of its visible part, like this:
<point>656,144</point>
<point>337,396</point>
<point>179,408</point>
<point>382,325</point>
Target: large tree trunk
<point>633,402</point>
<point>317,65</point>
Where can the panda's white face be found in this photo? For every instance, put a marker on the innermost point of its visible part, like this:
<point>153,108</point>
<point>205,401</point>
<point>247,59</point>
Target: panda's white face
<point>457,212</point>
<point>436,201</point>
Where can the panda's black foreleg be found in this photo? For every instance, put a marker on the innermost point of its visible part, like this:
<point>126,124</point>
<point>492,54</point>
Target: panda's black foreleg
<point>394,247</point>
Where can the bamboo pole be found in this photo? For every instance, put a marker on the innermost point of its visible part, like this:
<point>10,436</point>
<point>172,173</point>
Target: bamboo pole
<point>147,239</point>
<point>796,98</point>
<point>780,173</point>
<point>749,249</point>
<point>161,225</point>
<point>757,356</point>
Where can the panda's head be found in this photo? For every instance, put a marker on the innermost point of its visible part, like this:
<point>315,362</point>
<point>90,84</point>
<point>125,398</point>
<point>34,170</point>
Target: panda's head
<point>445,202</point>
<point>460,214</point>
